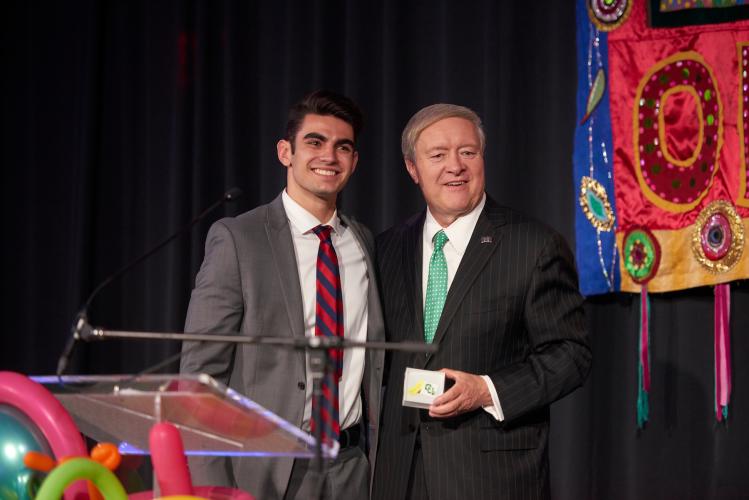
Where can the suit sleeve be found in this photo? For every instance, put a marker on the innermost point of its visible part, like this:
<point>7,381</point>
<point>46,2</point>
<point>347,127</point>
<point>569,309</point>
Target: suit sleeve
<point>559,356</point>
<point>216,306</point>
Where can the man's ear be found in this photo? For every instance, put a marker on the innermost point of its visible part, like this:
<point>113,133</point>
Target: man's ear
<point>355,161</point>
<point>411,167</point>
<point>283,148</point>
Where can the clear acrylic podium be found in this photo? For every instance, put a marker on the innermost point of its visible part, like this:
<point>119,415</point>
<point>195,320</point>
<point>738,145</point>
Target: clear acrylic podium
<point>212,418</point>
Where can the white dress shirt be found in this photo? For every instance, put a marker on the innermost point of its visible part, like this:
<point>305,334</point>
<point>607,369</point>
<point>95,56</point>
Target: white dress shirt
<point>458,234</point>
<point>354,286</point>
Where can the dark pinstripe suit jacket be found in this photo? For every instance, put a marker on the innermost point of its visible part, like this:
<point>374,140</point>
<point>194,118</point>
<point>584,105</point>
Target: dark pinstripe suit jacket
<point>513,312</point>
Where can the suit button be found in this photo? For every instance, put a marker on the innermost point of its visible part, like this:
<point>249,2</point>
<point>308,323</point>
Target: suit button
<point>301,386</point>
<point>426,427</point>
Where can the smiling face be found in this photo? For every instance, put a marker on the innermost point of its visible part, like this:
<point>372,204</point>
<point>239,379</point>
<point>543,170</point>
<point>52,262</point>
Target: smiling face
<point>320,162</point>
<point>448,166</point>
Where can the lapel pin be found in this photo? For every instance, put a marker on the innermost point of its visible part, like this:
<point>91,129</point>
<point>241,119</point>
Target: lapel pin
<point>486,239</point>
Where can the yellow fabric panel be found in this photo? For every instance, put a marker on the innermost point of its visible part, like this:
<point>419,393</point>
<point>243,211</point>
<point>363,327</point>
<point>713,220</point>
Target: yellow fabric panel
<point>679,269</point>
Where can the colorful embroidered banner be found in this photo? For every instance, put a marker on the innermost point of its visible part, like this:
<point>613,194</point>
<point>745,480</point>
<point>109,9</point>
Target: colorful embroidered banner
<point>661,157</point>
<point>660,152</point>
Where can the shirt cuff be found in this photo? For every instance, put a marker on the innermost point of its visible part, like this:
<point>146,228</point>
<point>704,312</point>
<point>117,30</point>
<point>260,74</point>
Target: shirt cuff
<point>496,409</point>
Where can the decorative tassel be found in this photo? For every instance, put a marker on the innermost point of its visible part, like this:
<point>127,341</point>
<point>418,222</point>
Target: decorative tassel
<point>722,350</point>
<point>643,369</point>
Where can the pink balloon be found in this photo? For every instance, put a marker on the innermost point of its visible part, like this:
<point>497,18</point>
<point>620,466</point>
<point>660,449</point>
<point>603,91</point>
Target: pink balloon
<point>222,493</point>
<point>169,461</point>
<point>50,417</point>
<point>210,492</point>
<point>172,472</point>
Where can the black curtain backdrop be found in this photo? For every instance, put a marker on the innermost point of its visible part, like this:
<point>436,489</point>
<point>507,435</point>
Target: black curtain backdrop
<point>122,120</point>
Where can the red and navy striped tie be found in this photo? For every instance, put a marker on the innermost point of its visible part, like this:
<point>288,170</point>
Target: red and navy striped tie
<point>328,322</point>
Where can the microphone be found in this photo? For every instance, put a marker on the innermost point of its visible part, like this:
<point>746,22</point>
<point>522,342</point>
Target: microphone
<point>81,329</point>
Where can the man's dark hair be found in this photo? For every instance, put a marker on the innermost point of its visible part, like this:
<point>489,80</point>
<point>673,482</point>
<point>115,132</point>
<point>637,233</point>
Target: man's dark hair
<point>326,103</point>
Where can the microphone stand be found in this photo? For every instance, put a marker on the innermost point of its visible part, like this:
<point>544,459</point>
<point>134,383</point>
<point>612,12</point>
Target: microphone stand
<point>81,319</point>
<point>320,364</point>
<point>317,347</point>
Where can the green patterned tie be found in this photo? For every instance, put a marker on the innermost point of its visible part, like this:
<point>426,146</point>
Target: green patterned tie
<point>436,287</point>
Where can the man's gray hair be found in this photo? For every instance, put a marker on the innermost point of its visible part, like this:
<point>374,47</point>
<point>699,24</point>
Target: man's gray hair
<point>432,114</point>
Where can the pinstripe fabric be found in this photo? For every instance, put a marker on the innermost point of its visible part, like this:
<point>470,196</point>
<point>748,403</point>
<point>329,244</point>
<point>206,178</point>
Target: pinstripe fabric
<point>513,312</point>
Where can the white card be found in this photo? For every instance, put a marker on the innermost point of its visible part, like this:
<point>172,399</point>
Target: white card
<point>421,387</point>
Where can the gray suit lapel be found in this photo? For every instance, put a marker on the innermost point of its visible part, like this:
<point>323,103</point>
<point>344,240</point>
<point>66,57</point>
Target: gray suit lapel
<point>375,326</point>
<point>375,359</point>
<point>279,237</point>
<point>483,243</point>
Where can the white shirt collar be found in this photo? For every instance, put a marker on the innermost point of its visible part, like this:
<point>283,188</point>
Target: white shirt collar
<point>459,232</point>
<point>302,220</point>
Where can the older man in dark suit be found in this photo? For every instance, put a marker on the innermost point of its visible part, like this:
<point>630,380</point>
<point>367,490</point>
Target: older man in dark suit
<point>498,292</point>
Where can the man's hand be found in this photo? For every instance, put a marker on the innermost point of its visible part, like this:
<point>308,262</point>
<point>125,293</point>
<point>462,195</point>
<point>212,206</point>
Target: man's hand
<point>469,393</point>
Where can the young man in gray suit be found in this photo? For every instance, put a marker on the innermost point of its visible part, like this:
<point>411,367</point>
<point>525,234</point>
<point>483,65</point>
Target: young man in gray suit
<point>498,292</point>
<point>261,277</point>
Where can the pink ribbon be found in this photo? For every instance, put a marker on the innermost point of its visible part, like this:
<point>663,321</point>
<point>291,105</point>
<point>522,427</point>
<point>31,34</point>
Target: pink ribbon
<point>722,350</point>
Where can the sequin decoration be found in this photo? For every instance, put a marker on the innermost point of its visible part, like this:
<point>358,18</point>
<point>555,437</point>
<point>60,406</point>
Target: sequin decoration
<point>642,254</point>
<point>671,183</point>
<point>595,95</point>
<point>595,60</point>
<point>743,123</point>
<point>595,204</point>
<point>607,15</point>
<point>718,237</point>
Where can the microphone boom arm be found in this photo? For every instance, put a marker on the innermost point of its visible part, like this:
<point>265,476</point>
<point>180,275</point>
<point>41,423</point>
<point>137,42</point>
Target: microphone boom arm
<point>87,333</point>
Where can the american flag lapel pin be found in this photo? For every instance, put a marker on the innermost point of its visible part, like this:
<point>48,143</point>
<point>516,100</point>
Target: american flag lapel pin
<point>486,239</point>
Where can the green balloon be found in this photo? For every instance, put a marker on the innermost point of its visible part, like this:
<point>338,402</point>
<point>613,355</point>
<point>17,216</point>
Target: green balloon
<point>18,435</point>
<point>81,468</point>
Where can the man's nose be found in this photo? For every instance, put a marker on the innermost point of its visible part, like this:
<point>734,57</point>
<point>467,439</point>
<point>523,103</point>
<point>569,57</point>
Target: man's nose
<point>327,153</point>
<point>455,163</point>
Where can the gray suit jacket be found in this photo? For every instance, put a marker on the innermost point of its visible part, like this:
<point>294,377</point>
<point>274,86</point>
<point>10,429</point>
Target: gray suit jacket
<point>249,284</point>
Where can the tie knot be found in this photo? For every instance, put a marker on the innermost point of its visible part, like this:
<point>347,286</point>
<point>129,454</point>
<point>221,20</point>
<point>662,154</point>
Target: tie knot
<point>439,240</point>
<point>322,232</point>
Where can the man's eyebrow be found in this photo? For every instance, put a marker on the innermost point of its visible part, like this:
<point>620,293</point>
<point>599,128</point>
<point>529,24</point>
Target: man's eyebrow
<point>322,138</point>
<point>342,142</point>
<point>315,135</point>
<point>441,147</point>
